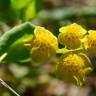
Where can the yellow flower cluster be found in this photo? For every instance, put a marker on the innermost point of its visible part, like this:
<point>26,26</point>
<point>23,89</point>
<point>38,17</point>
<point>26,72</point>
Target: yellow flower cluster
<point>70,35</point>
<point>73,68</point>
<point>44,45</point>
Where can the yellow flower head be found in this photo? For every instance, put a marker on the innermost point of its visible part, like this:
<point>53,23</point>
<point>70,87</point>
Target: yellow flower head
<point>70,35</point>
<point>90,41</point>
<point>44,45</point>
<point>73,68</point>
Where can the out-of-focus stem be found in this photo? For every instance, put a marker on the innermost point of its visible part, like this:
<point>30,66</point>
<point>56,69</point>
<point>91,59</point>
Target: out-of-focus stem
<point>7,86</point>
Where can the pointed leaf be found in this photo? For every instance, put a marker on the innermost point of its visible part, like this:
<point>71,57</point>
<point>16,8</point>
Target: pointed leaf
<point>12,42</point>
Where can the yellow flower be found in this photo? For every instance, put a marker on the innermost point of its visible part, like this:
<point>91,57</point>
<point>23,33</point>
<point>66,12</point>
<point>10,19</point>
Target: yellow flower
<point>90,41</point>
<point>73,68</point>
<point>44,45</point>
<point>70,35</point>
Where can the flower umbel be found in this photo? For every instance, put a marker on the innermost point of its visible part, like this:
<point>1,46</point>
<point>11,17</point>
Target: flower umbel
<point>44,45</point>
<point>73,68</point>
<point>90,41</point>
<point>70,35</point>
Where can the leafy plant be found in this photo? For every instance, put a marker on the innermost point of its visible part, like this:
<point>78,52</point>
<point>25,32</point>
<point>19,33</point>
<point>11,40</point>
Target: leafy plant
<point>30,43</point>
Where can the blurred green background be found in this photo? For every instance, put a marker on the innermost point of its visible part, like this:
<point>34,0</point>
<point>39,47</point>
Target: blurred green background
<point>31,80</point>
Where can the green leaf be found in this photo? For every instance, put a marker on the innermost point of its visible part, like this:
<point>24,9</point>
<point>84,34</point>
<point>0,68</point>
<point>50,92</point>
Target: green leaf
<point>17,51</point>
<point>32,9</point>
<point>19,4</point>
<point>4,3</point>
<point>12,42</point>
<point>7,14</point>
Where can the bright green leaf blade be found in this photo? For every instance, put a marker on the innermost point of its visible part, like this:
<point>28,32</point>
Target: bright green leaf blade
<point>19,4</point>
<point>17,51</point>
<point>32,9</point>
<point>12,42</point>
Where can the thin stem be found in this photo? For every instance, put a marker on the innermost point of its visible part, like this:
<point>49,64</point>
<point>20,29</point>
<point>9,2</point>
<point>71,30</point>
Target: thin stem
<point>78,49</point>
<point>64,50</point>
<point>7,86</point>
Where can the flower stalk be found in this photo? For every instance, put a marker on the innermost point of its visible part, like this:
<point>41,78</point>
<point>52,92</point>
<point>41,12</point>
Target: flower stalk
<point>8,87</point>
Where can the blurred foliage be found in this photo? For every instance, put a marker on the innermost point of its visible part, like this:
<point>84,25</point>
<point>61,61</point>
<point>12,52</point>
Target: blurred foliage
<point>29,9</point>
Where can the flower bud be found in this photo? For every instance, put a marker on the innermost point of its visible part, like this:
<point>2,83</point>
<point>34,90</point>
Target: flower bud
<point>70,35</point>
<point>73,68</point>
<point>44,45</point>
<point>90,41</point>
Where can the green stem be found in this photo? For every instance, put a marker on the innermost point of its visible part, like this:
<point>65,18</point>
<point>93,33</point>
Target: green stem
<point>64,50</point>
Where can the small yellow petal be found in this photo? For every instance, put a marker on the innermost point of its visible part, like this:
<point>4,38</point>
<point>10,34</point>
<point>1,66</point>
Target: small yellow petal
<point>74,28</point>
